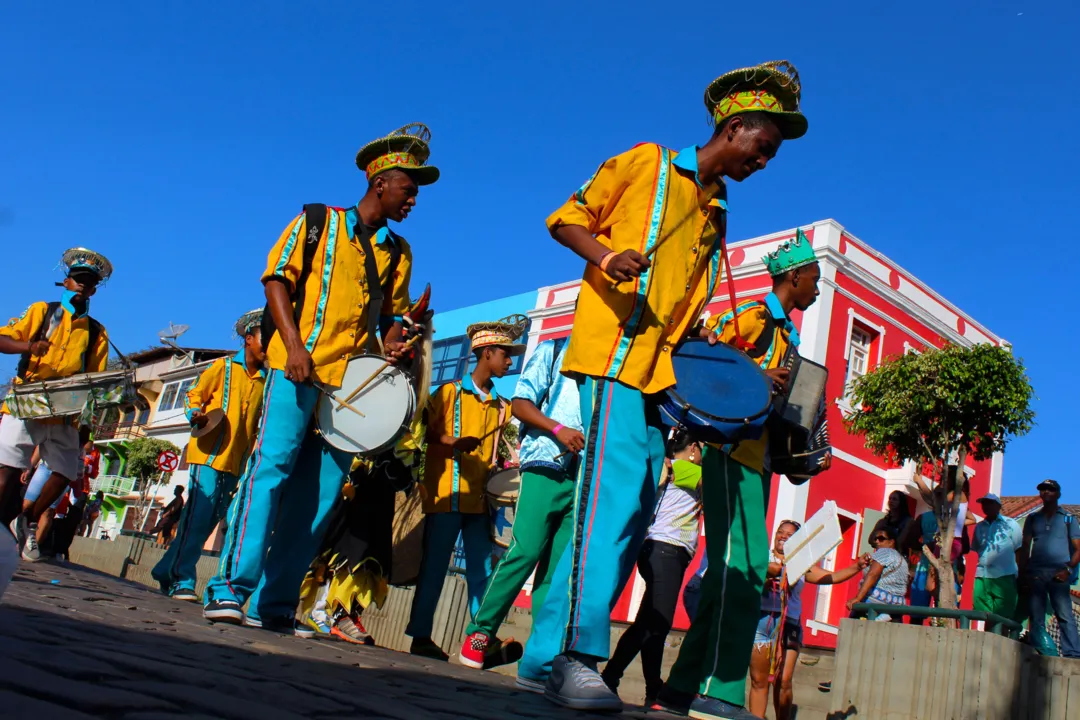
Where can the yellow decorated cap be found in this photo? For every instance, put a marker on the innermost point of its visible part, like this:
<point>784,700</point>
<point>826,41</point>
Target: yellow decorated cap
<point>404,149</point>
<point>502,333</point>
<point>772,87</point>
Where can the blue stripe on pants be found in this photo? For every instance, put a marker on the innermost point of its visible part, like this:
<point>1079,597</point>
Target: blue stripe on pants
<point>208,497</point>
<point>441,532</point>
<point>614,496</point>
<point>272,473</point>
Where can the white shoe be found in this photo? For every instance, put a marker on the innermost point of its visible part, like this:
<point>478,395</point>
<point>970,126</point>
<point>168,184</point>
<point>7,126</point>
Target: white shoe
<point>30,551</point>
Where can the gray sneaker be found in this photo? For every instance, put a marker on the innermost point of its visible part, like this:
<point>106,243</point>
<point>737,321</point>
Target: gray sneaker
<point>30,551</point>
<point>575,685</point>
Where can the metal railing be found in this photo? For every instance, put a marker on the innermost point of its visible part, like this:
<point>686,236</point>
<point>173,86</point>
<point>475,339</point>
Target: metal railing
<point>113,484</point>
<point>994,623</point>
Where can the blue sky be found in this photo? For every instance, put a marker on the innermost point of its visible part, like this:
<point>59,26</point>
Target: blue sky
<point>180,138</point>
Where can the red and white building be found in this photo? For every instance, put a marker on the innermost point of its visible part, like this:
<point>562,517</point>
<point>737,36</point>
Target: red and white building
<point>869,309</point>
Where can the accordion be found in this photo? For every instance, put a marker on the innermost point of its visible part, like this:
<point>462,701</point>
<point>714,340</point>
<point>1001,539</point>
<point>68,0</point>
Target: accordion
<point>798,429</point>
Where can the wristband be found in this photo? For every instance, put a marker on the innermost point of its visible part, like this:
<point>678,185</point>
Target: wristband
<point>605,260</point>
<point>555,430</point>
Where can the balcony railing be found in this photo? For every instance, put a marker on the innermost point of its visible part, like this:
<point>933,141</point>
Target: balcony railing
<point>113,484</point>
<point>123,430</point>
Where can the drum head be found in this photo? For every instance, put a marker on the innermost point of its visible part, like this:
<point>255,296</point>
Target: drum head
<point>213,419</point>
<point>387,403</point>
<point>720,382</point>
<point>504,485</point>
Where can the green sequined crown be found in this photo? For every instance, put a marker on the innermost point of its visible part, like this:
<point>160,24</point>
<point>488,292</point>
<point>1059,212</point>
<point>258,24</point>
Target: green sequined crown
<point>790,255</point>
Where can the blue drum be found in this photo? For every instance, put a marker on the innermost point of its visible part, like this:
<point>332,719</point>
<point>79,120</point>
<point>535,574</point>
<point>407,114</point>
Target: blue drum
<point>720,395</point>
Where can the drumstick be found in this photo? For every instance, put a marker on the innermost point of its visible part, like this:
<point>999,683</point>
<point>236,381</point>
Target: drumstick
<point>382,367</point>
<point>336,399</point>
<point>711,190</point>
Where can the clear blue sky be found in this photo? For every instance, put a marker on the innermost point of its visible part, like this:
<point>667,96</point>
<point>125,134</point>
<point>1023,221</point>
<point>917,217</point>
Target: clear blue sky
<point>180,137</point>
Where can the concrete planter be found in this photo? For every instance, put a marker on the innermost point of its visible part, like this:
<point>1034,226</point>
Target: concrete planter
<point>889,671</point>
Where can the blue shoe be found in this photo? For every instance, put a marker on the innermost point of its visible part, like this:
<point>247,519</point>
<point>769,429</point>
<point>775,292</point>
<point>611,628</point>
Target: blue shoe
<point>577,685</point>
<point>707,708</point>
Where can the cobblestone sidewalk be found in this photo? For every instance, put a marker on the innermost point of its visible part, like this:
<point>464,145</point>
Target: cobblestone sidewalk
<point>75,643</point>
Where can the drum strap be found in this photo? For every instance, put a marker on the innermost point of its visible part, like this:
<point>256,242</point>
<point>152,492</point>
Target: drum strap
<point>374,287</point>
<point>740,343</point>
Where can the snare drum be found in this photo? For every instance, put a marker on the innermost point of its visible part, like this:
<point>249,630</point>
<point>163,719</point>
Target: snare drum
<point>72,395</point>
<point>503,486</point>
<point>387,404</point>
<point>720,396</point>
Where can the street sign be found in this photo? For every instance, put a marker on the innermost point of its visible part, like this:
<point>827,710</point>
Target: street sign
<point>168,461</point>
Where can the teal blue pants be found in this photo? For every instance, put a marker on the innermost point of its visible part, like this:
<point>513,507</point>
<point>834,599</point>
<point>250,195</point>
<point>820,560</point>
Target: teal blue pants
<point>615,490</point>
<point>208,497</point>
<point>282,505</point>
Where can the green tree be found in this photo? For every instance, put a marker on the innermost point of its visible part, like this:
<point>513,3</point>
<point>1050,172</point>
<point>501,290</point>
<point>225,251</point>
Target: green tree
<point>930,408</point>
<point>142,455</point>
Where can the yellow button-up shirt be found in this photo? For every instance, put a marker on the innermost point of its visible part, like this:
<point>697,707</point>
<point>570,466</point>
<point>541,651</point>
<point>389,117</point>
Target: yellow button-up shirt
<point>333,295</point>
<point>754,317</point>
<point>68,353</point>
<point>228,385</point>
<point>647,196</point>
<point>456,481</point>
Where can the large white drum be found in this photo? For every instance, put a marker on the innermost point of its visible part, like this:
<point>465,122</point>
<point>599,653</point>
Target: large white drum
<point>387,404</point>
<point>74,395</point>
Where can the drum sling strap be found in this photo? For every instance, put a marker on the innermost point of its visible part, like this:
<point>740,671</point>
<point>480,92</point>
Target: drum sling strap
<point>54,312</point>
<point>315,217</point>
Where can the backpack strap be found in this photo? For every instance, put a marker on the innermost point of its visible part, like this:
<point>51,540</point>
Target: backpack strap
<point>315,219</point>
<point>374,289</point>
<point>51,311</point>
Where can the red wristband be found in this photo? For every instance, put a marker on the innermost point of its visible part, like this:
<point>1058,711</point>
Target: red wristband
<point>605,259</point>
<point>555,430</point>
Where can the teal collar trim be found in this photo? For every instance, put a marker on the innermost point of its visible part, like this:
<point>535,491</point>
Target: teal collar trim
<point>468,384</point>
<point>773,303</point>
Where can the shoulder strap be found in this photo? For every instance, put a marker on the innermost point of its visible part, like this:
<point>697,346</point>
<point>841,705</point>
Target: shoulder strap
<point>93,333</point>
<point>556,348</point>
<point>499,435</point>
<point>39,334</point>
<point>768,335</point>
<point>315,216</point>
<point>374,290</point>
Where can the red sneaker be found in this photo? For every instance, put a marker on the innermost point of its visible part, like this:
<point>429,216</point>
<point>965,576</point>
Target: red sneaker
<point>474,650</point>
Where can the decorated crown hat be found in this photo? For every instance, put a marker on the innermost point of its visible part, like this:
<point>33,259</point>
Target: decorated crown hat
<point>248,322</point>
<point>772,87</point>
<point>404,149</point>
<point>82,259</point>
<point>790,255</point>
<point>503,333</point>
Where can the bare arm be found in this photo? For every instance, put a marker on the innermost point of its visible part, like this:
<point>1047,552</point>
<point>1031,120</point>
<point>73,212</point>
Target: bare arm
<point>527,412</point>
<point>298,364</point>
<point>820,576</point>
<point>924,490</point>
<point>868,583</point>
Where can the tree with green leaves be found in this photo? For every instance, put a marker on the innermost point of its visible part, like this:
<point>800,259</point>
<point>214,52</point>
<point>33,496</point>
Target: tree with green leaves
<point>142,464</point>
<point>939,408</point>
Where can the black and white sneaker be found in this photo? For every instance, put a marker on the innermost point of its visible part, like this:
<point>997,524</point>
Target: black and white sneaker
<point>224,611</point>
<point>30,551</point>
<point>184,593</point>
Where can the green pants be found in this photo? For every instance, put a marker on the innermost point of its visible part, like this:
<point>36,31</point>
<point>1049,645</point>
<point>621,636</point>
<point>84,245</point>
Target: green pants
<point>996,595</point>
<point>542,527</point>
<point>715,656</point>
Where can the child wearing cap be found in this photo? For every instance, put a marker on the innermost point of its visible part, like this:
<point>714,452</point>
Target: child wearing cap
<point>466,419</point>
<point>55,340</point>
<point>232,385</point>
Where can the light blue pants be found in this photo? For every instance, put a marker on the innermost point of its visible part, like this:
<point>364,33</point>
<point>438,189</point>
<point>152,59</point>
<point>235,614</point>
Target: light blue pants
<point>441,532</point>
<point>613,503</point>
<point>209,491</point>
<point>37,482</point>
<point>290,485</point>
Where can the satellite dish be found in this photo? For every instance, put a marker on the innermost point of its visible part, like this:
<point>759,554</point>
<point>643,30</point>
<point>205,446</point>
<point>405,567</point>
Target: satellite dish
<point>169,335</point>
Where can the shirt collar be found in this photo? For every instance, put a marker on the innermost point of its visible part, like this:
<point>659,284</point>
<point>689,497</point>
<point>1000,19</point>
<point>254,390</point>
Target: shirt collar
<point>238,358</point>
<point>773,303</point>
<point>468,385</point>
<point>65,302</point>
<point>352,219</point>
<point>686,159</point>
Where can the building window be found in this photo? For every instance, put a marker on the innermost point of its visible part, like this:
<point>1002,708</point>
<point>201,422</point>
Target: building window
<point>449,359</point>
<point>173,395</point>
<point>859,344</point>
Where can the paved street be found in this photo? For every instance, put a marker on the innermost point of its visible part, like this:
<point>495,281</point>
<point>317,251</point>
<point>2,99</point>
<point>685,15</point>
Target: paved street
<point>75,643</point>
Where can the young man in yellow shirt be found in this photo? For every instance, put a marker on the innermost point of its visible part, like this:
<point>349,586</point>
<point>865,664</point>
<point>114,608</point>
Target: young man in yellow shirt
<point>651,220</point>
<point>233,385</point>
<point>337,284</point>
<point>466,419</point>
<point>55,340</point>
<point>710,672</point>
